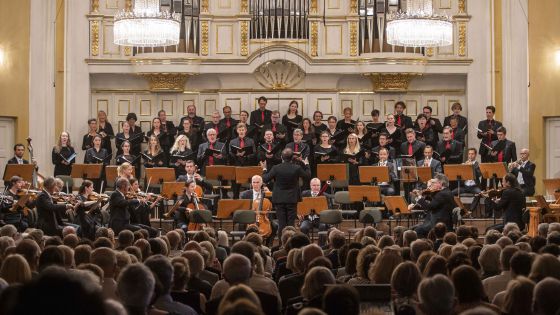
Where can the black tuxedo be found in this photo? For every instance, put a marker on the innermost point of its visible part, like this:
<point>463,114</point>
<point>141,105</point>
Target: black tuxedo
<point>527,172</point>
<point>256,117</point>
<point>49,215</point>
<point>405,123</point>
<point>485,125</point>
<point>245,160</point>
<point>286,192</point>
<point>440,209</point>
<point>452,156</point>
<point>417,149</point>
<point>462,122</point>
<point>509,152</point>
<point>203,160</point>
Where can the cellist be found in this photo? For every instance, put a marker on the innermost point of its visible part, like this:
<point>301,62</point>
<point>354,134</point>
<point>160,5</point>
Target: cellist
<point>255,194</point>
<point>181,215</point>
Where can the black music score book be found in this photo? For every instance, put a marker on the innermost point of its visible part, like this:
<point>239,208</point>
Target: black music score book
<point>248,149</point>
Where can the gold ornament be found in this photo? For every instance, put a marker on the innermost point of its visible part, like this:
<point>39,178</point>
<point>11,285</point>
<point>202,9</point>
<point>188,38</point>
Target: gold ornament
<point>314,39</point>
<point>244,38</point>
<point>353,39</point>
<point>204,38</point>
<point>95,38</point>
<point>166,82</point>
<point>391,82</point>
<point>462,39</point>
<point>94,6</point>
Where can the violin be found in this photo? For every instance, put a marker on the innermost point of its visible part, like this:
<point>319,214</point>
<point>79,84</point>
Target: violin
<point>196,205</point>
<point>98,197</point>
<point>493,193</point>
<point>262,222</point>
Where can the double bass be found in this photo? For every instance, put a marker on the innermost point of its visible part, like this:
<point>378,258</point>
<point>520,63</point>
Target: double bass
<point>262,207</point>
<point>37,179</point>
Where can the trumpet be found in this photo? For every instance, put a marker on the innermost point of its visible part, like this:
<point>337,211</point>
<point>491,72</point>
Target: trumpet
<point>515,164</point>
<point>426,163</point>
<point>468,162</point>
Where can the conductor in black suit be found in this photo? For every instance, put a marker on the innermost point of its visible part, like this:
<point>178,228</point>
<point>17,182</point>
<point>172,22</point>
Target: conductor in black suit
<point>261,116</point>
<point>440,208</point>
<point>286,192</point>
<point>50,214</point>
<point>524,171</point>
<point>119,218</point>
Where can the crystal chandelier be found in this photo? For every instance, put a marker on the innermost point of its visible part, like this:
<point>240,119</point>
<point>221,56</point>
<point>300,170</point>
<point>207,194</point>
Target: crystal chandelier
<point>419,26</point>
<point>146,26</point>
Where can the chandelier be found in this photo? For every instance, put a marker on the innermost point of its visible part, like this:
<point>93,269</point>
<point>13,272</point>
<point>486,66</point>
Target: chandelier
<point>419,26</point>
<point>146,26</point>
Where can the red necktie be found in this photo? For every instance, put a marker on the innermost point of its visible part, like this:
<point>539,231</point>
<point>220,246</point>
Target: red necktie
<point>501,156</point>
<point>447,145</point>
<point>211,158</point>
<point>269,147</point>
<point>410,148</point>
<point>217,129</point>
<point>241,143</point>
<point>399,120</point>
<point>228,123</point>
<point>262,116</point>
<point>452,134</point>
<point>296,147</point>
<point>273,127</point>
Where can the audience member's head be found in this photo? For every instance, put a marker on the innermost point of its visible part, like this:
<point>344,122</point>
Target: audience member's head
<point>341,299</point>
<point>468,286</point>
<point>405,279</point>
<point>30,251</point>
<point>385,263</point>
<point>489,260</point>
<point>315,281</point>
<point>544,266</point>
<point>436,295</point>
<point>237,269</point>
<point>545,296</point>
<point>135,287</point>
<point>15,269</point>
<point>517,299</point>
<point>51,256</point>
<point>106,259</point>
<point>520,264</point>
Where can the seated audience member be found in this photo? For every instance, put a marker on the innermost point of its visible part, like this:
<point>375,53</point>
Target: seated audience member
<point>469,290</point>
<point>517,298</point>
<point>106,259</point>
<point>312,291</point>
<point>545,297</point>
<point>436,296</point>
<point>498,283</point>
<point>341,299</point>
<point>135,288</point>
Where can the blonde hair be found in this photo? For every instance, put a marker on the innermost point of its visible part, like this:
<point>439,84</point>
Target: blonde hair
<point>123,167</point>
<point>15,269</point>
<point>356,148</point>
<point>58,146</point>
<point>381,270</point>
<point>175,146</point>
<point>158,146</point>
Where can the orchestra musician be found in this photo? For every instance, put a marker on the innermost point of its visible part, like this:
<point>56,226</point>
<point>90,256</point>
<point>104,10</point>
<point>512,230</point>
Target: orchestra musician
<point>261,116</point>
<point>401,120</point>
<point>105,129</point>
<point>19,150</point>
<point>311,220</point>
<point>424,131</point>
<point>162,137</point>
<point>181,214</point>
<point>387,188</point>
<point>194,138</point>
<point>49,213</point>
<point>141,207</point>
<point>154,156</point>
<point>192,175</point>
<point>450,151</point>
<point>383,143</point>
<point>394,134</point>
<point>428,160</point>
<point>292,120</point>
<point>215,124</point>
<point>85,214</point>
<point>63,155</point>
<point>11,212</point>
<point>375,125</point>
<point>180,153</point>
<point>125,171</point>
<point>214,158</point>
<point>524,171</point>
<point>254,194</point>
<point>462,121</point>
<point>119,208</point>
<point>318,124</point>
<point>280,131</point>
<point>503,150</point>
<point>439,208</point>
<point>471,186</point>
<point>167,126</point>
<point>412,147</point>
<point>197,122</point>
<point>125,156</point>
<point>286,192</point>
<point>511,202</point>
<point>87,141</point>
<point>270,151</point>
<point>487,133</point>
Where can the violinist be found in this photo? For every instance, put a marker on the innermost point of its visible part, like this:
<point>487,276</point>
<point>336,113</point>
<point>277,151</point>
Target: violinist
<point>153,156</point>
<point>161,135</point>
<point>141,207</point>
<point>254,194</point>
<point>105,129</point>
<point>181,215</point>
<point>49,213</point>
<point>511,202</point>
<point>85,214</point>
<point>87,141</point>
<point>179,154</point>
<point>439,209</point>
<point>119,215</point>
<point>125,156</point>
<point>191,175</point>
<point>311,220</point>
<point>63,155</point>
<point>11,211</point>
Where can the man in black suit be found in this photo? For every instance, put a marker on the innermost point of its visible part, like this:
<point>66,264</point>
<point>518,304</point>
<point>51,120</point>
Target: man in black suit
<point>401,120</point>
<point>255,194</point>
<point>456,132</point>
<point>260,117</point>
<point>428,160</point>
<point>214,158</point>
<point>312,220</point>
<point>192,175</point>
<point>412,146</point>
<point>503,150</point>
<point>239,157</point>
<point>512,202</point>
<point>487,130</point>
<point>449,150</point>
<point>440,208</point>
<point>280,131</point>
<point>382,144</point>
<point>19,150</point>
<point>50,214</point>
<point>524,171</point>
<point>286,192</point>
<point>299,146</point>
<point>228,121</point>
<point>462,121</point>
<point>167,126</point>
<point>265,151</point>
<point>215,124</point>
<point>387,188</point>
<point>472,186</point>
<point>434,123</point>
<point>197,122</point>
<point>119,216</point>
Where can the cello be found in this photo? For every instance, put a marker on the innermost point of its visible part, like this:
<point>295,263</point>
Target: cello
<point>262,207</point>
<point>195,205</point>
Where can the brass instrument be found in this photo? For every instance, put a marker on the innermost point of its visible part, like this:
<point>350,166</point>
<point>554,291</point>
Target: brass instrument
<point>468,162</point>
<point>515,164</point>
<point>426,163</point>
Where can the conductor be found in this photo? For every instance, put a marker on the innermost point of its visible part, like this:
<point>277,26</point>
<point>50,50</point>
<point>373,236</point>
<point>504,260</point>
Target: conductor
<point>286,192</point>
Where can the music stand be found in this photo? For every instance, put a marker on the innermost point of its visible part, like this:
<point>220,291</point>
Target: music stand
<point>493,170</point>
<point>332,172</point>
<point>398,205</point>
<point>458,172</point>
<point>374,174</point>
<point>226,208</point>
<point>424,173</point>
<point>111,173</point>
<point>550,185</point>
<point>244,174</point>
<point>160,174</point>
<point>364,194</point>
<point>86,171</point>
<point>24,171</point>
<point>172,190</point>
<point>310,205</point>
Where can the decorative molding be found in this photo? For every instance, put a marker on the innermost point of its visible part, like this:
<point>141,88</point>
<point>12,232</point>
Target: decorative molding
<point>127,51</point>
<point>94,6</point>
<point>353,6</point>
<point>462,6</point>
<point>313,6</point>
<point>314,38</point>
<point>353,39</point>
<point>430,51</point>
<point>392,82</point>
<point>462,39</point>
<point>204,38</point>
<point>244,38</point>
<point>204,7</point>
<point>244,6</point>
<point>279,74</point>
<point>166,82</point>
<point>128,5</point>
<point>95,38</point>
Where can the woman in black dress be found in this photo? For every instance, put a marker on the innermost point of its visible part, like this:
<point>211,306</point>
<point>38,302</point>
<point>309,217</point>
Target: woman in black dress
<point>125,156</point>
<point>375,127</point>
<point>63,155</point>
<point>87,141</point>
<point>193,136</point>
<point>162,136</point>
<point>325,152</point>
<point>292,120</point>
<point>154,155</point>
<point>105,129</point>
<point>318,124</point>
<point>179,155</point>
<point>395,133</point>
<point>352,155</point>
<point>97,155</point>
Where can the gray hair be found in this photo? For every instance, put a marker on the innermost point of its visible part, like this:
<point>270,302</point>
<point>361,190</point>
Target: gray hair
<point>543,229</point>
<point>442,179</point>
<point>298,131</point>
